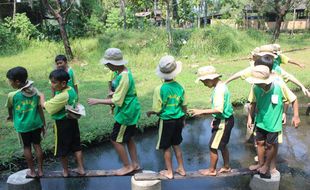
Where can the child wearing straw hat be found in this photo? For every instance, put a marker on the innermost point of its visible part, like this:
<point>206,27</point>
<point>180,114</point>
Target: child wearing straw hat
<point>268,97</point>
<point>223,121</point>
<point>169,103</point>
<point>126,111</point>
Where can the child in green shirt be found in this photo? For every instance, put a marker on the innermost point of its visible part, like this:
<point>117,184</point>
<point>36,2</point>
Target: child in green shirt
<point>27,114</point>
<point>223,121</point>
<point>268,97</point>
<point>169,104</point>
<point>67,133</point>
<point>126,111</point>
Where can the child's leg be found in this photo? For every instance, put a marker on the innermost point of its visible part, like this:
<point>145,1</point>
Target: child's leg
<point>178,154</point>
<point>39,154</point>
<point>270,154</point>
<point>168,161</point>
<point>225,155</point>
<point>273,164</point>
<point>29,160</point>
<point>64,162</point>
<point>79,160</point>
<point>260,154</point>
<point>213,162</point>
<point>121,151</point>
<point>133,154</point>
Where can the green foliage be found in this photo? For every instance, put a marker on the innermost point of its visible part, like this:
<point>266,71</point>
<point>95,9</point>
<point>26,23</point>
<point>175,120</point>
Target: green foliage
<point>9,41</point>
<point>180,38</point>
<point>22,26</point>
<point>115,21</point>
<point>94,26</point>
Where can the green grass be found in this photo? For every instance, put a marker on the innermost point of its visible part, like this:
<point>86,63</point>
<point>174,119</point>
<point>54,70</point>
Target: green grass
<point>143,50</point>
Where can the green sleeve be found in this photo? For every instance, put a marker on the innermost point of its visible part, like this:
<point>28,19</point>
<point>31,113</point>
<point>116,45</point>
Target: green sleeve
<point>157,101</point>
<point>9,101</point>
<point>57,103</point>
<point>121,90</point>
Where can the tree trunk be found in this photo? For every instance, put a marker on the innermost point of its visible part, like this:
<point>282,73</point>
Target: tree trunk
<point>277,28</point>
<point>123,12</point>
<point>168,24</point>
<point>64,37</point>
<point>175,15</point>
<point>205,19</point>
<point>14,8</point>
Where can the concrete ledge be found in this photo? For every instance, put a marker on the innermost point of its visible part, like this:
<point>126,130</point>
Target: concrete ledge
<point>18,181</point>
<point>145,185</point>
<point>258,183</point>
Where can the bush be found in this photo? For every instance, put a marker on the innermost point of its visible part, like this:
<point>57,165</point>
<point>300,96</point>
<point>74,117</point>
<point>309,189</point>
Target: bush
<point>9,41</point>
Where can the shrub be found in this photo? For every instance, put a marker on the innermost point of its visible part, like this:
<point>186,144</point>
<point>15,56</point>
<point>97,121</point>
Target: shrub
<point>9,41</point>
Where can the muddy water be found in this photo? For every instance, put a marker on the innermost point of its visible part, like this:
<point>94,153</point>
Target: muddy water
<point>293,159</point>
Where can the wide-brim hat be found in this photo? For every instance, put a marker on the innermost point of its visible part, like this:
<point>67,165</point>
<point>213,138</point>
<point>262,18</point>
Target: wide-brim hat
<point>168,68</point>
<point>113,56</point>
<point>207,72</point>
<point>260,74</point>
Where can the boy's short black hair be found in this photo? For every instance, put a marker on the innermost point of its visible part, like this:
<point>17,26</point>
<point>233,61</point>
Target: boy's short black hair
<point>266,60</point>
<point>60,58</point>
<point>17,73</point>
<point>59,75</point>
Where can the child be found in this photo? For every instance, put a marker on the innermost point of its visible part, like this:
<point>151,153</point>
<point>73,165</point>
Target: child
<point>67,133</point>
<point>61,63</point>
<point>170,105</point>
<point>223,121</point>
<point>27,114</point>
<point>267,96</point>
<point>126,112</point>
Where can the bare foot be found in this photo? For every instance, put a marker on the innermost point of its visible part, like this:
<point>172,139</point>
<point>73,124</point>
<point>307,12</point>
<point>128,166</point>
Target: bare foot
<point>273,171</point>
<point>207,172</point>
<point>254,167</point>
<point>263,170</point>
<point>166,174</point>
<point>40,173</point>
<point>124,170</point>
<point>79,171</point>
<point>30,173</point>
<point>180,171</point>
<point>65,173</point>
<point>136,167</point>
<point>224,170</point>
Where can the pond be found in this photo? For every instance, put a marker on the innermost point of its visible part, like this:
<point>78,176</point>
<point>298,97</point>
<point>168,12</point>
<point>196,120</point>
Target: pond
<point>293,158</point>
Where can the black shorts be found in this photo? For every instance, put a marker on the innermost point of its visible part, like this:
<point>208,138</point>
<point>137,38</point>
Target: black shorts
<point>67,137</point>
<point>269,137</point>
<point>122,133</point>
<point>31,137</point>
<point>221,133</point>
<point>170,133</point>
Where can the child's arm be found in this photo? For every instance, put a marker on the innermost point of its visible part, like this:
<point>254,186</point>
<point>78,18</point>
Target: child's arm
<point>40,109</point>
<point>76,89</point>
<point>241,74</point>
<point>233,77</point>
<point>284,113</point>
<point>294,80</point>
<point>95,101</point>
<point>149,113</point>
<point>250,115</point>
<point>197,112</point>
<point>295,63</point>
<point>295,119</point>
<point>10,112</point>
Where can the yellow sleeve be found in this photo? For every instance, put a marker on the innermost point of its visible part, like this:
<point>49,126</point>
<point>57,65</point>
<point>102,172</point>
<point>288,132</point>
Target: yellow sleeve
<point>245,73</point>
<point>57,103</point>
<point>218,100</point>
<point>252,97</point>
<point>285,75</point>
<point>184,103</point>
<point>284,59</point>
<point>157,101</point>
<point>288,95</point>
<point>9,101</point>
<point>121,91</point>
<point>111,75</point>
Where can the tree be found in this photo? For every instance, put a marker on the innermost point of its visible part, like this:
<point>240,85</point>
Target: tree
<point>60,12</point>
<point>123,12</point>
<point>168,23</point>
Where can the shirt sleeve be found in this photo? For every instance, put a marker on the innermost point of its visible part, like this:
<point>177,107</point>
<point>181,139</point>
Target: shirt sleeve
<point>285,75</point>
<point>74,78</point>
<point>218,100</point>
<point>284,59</point>
<point>184,103</point>
<point>9,101</point>
<point>57,103</point>
<point>245,73</point>
<point>288,95</point>
<point>157,101</point>
<point>121,90</point>
<point>252,97</point>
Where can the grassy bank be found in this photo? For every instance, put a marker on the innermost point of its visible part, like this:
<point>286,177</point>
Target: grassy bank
<point>143,50</point>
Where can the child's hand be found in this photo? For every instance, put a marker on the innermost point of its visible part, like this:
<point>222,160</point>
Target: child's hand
<point>9,118</point>
<point>149,113</point>
<point>249,123</point>
<point>295,121</point>
<point>194,112</point>
<point>284,118</point>
<point>306,92</point>
<point>92,101</point>
<point>43,131</point>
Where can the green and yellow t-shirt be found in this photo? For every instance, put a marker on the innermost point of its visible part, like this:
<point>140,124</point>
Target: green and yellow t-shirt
<point>127,107</point>
<point>220,100</point>
<point>56,105</point>
<point>270,105</point>
<point>73,80</point>
<point>168,100</point>
<point>281,59</point>
<point>26,115</point>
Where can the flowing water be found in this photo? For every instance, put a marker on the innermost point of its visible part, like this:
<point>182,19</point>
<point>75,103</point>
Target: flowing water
<point>293,159</point>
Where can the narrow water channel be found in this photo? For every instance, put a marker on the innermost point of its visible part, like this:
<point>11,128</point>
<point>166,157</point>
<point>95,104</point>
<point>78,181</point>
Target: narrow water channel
<point>293,159</point>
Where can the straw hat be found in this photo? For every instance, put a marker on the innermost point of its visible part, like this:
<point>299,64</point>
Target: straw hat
<point>265,50</point>
<point>260,74</point>
<point>207,72</point>
<point>168,67</point>
<point>113,56</point>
